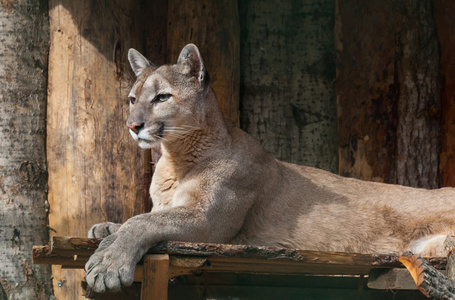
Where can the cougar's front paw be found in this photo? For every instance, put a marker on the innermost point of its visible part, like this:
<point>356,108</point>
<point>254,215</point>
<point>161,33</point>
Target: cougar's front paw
<point>103,230</point>
<point>111,266</point>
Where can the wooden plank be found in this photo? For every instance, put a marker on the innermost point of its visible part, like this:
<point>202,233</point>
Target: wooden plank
<point>257,260</point>
<point>446,31</point>
<point>366,89</point>
<point>388,105</point>
<point>213,26</point>
<point>288,79</point>
<point>178,266</point>
<point>183,258</point>
<point>228,264</point>
<point>75,246</point>
<point>154,21</point>
<point>96,171</point>
<point>43,255</point>
<point>85,246</point>
<point>155,277</point>
<point>195,257</point>
<point>419,133</point>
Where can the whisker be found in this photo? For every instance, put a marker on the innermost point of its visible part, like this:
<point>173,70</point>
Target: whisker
<point>179,131</point>
<point>176,130</point>
<point>176,135</point>
<point>162,138</point>
<point>194,118</point>
<point>184,127</point>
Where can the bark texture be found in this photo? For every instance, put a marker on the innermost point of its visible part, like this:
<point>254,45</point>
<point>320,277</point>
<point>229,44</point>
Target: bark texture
<point>388,91</point>
<point>96,171</point>
<point>431,282</point>
<point>287,79</point>
<point>24,41</point>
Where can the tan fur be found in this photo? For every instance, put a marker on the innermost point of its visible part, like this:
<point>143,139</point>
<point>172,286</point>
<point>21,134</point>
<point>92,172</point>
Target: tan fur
<point>215,183</point>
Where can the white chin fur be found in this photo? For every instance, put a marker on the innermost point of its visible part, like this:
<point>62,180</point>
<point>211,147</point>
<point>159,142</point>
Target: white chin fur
<point>134,135</point>
<point>144,140</point>
<point>145,144</point>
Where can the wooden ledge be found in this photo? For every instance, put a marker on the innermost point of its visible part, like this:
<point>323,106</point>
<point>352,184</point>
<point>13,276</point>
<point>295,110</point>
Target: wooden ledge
<point>167,260</point>
<point>187,258</point>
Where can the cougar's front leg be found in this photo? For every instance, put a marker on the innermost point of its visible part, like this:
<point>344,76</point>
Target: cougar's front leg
<point>103,230</point>
<point>113,263</point>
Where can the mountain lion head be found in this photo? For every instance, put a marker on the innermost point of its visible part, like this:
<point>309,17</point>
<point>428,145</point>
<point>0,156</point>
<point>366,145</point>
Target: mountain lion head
<point>166,101</point>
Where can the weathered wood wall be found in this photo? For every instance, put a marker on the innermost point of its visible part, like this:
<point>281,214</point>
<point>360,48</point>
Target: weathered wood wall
<point>96,173</point>
<point>213,26</point>
<point>288,79</point>
<point>388,91</point>
<point>446,34</point>
<point>366,90</point>
<point>419,129</point>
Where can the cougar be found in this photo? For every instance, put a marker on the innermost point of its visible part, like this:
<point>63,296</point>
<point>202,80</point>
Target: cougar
<point>215,183</point>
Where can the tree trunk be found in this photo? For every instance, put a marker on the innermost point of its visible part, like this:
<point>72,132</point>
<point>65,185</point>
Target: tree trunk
<point>23,173</point>
<point>287,79</point>
<point>97,172</point>
<point>388,90</point>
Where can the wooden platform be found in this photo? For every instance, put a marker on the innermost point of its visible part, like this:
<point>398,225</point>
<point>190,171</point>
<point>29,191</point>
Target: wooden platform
<point>172,259</point>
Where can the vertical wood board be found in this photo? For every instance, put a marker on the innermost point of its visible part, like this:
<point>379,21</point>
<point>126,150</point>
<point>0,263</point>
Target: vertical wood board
<point>96,170</point>
<point>366,89</point>
<point>446,32</point>
<point>419,101</point>
<point>213,26</point>
<point>388,92</point>
<point>288,79</point>
<point>155,277</point>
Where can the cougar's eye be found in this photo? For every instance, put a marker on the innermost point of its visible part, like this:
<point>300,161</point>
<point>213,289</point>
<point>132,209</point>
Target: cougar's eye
<point>163,97</point>
<point>132,100</point>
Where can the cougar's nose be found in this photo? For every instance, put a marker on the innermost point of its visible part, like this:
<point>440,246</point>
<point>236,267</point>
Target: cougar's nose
<point>135,127</point>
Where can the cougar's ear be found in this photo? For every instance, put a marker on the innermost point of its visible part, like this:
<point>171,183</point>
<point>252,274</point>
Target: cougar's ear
<point>190,56</point>
<point>138,62</point>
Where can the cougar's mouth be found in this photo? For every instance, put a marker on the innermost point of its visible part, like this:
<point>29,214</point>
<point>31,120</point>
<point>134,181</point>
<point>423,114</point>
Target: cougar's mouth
<point>146,139</point>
